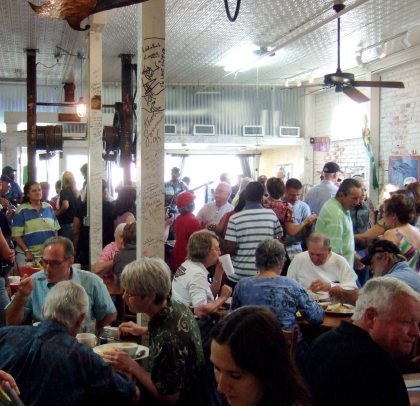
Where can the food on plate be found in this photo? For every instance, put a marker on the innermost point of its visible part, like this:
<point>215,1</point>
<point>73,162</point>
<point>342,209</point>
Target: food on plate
<point>339,308</point>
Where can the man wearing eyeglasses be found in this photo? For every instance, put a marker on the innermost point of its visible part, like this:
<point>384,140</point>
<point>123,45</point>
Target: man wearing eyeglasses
<point>57,260</point>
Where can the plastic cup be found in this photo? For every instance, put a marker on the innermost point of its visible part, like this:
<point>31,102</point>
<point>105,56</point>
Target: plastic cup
<point>87,339</point>
<point>227,265</point>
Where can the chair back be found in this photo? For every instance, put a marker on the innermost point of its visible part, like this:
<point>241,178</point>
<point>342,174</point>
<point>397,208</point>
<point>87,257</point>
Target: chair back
<point>291,338</point>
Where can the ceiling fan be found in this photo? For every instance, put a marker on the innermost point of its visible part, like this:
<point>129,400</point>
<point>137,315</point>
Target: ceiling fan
<point>344,81</point>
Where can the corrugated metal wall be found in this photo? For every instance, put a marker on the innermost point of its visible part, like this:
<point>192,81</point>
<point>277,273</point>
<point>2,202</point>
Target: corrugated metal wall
<point>228,108</point>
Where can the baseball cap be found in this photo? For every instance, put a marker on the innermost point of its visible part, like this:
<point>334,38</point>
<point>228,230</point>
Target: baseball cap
<point>184,199</point>
<point>381,246</point>
<point>410,179</point>
<point>5,178</point>
<point>331,167</point>
<point>7,169</point>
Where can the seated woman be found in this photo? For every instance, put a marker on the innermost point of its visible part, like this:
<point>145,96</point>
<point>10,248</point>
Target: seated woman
<point>106,259</point>
<point>283,295</point>
<point>127,254</point>
<point>190,284</point>
<point>399,210</point>
<point>251,361</point>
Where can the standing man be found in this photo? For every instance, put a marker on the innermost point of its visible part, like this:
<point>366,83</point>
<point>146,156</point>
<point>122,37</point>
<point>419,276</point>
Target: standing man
<point>173,188</point>
<point>385,326</point>
<point>302,214</point>
<point>57,259</point>
<point>15,193</point>
<point>318,195</point>
<point>211,213</point>
<point>247,229</point>
<point>334,218</point>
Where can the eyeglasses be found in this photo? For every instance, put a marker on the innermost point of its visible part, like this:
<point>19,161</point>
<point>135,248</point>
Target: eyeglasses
<point>54,263</point>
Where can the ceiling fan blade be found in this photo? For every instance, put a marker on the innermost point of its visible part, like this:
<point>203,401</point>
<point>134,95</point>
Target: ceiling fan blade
<point>355,94</point>
<point>378,83</point>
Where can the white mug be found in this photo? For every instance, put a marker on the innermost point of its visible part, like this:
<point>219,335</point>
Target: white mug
<point>87,339</point>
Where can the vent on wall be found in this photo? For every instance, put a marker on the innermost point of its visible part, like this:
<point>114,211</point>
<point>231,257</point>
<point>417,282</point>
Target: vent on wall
<point>170,129</point>
<point>204,129</point>
<point>253,131</point>
<point>289,132</point>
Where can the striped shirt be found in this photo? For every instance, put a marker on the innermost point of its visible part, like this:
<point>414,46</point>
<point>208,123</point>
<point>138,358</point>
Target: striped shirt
<point>34,226</point>
<point>247,229</point>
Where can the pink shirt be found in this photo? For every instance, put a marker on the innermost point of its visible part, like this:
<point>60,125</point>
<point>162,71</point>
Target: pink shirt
<point>109,252</point>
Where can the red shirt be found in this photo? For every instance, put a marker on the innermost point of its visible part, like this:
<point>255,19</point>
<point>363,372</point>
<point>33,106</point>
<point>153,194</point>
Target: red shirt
<point>184,226</point>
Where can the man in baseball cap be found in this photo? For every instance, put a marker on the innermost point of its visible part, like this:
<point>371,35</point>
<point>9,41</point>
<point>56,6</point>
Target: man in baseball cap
<point>318,195</point>
<point>386,259</point>
<point>185,224</point>
<point>15,193</point>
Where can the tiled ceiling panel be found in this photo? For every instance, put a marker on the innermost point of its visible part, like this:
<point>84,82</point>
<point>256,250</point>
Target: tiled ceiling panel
<point>199,34</point>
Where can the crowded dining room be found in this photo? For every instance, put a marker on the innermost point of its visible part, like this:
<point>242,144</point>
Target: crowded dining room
<point>210,203</point>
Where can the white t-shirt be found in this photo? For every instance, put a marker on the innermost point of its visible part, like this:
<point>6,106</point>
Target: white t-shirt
<point>211,214</point>
<point>336,271</point>
<point>190,285</point>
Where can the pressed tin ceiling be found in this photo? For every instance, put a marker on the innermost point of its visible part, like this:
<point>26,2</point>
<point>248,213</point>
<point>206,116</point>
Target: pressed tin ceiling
<point>199,34</point>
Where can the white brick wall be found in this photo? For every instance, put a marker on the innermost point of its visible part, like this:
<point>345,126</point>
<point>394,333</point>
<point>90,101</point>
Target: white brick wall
<point>400,116</point>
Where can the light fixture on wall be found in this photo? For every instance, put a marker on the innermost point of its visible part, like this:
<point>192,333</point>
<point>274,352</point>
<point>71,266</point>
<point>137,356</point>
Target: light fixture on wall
<point>81,105</point>
<point>405,41</point>
<point>381,50</point>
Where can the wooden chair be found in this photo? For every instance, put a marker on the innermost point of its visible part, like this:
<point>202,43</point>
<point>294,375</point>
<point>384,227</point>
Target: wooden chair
<point>291,338</point>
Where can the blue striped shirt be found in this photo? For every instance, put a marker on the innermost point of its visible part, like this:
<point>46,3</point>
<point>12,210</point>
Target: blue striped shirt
<point>247,229</point>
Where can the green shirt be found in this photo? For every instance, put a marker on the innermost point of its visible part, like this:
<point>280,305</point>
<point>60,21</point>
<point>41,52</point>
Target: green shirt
<point>176,354</point>
<point>335,222</point>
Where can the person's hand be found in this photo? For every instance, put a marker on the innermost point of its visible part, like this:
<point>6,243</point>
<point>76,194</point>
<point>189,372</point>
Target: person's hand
<point>120,360</point>
<point>4,202</point>
<point>29,257</point>
<point>5,377</point>
<point>319,285</point>
<point>226,291</point>
<point>310,220</point>
<point>132,328</point>
<point>337,292</point>
<point>26,286</point>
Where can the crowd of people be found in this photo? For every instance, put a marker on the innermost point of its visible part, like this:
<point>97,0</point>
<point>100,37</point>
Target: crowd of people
<point>287,251</point>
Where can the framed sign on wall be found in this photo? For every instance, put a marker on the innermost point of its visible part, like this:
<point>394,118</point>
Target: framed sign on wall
<point>401,167</point>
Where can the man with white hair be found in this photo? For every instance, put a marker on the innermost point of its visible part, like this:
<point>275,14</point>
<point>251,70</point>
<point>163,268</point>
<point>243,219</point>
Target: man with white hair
<point>51,367</point>
<point>211,213</point>
<point>385,326</point>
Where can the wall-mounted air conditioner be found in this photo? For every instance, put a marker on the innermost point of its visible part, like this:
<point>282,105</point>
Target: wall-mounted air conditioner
<point>170,129</point>
<point>289,132</point>
<point>204,129</point>
<point>253,131</point>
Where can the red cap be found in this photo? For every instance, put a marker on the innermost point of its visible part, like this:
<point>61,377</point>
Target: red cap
<point>184,199</point>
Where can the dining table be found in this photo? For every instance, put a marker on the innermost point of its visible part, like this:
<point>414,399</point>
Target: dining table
<point>412,382</point>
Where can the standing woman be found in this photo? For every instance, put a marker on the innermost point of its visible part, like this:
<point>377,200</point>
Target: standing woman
<point>33,223</point>
<point>68,205</point>
<point>251,361</point>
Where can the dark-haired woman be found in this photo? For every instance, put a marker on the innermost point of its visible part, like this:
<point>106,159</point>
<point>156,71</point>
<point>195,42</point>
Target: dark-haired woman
<point>399,210</point>
<point>251,361</point>
<point>33,223</point>
<point>283,295</point>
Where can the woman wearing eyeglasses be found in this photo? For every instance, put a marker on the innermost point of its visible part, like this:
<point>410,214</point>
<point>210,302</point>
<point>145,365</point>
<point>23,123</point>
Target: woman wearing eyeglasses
<point>32,224</point>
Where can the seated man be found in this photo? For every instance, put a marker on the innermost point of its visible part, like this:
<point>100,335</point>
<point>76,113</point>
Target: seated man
<point>51,367</point>
<point>321,270</point>
<point>386,259</point>
<point>176,356</point>
<point>354,364</point>
<point>57,260</point>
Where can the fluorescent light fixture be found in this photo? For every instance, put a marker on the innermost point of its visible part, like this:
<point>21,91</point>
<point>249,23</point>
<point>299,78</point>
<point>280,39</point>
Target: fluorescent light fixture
<point>298,83</point>
<point>242,58</point>
<point>286,84</point>
<point>405,41</point>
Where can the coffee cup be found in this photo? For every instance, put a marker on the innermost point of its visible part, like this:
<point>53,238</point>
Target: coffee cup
<point>227,265</point>
<point>87,339</point>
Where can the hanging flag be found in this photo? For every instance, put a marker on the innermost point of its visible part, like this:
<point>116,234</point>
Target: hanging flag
<point>368,145</point>
<point>74,11</point>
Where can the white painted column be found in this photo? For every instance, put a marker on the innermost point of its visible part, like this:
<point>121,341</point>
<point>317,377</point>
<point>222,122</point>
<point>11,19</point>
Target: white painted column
<point>150,145</point>
<point>96,165</point>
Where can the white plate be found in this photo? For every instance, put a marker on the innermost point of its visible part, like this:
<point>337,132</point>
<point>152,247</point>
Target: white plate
<point>142,351</point>
<point>345,309</point>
